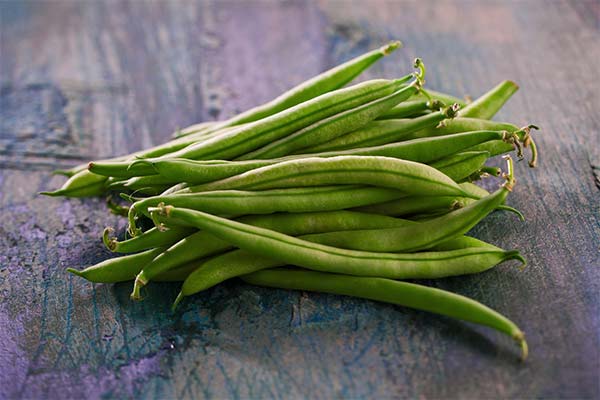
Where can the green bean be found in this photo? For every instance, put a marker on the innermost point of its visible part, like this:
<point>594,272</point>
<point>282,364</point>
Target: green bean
<point>122,269</point>
<point>407,176</point>
<point>496,147</point>
<point>457,167</point>
<point>203,244</point>
<point>407,206</point>
<point>147,240</point>
<point>177,274</point>
<point>426,265</point>
<point>411,109</point>
<point>426,204</point>
<point>325,82</point>
<point>461,165</point>
<point>463,124</point>
<point>463,242</point>
<point>249,137</point>
<point>418,206</point>
<point>490,103</point>
<point>382,132</point>
<point>474,190</point>
<point>117,269</point>
<point>332,127</point>
<point>201,127</point>
<point>389,291</point>
<point>141,182</point>
<point>439,96</point>
<point>85,183</point>
<point>82,184</point>
<point>238,202</point>
<point>182,272</point>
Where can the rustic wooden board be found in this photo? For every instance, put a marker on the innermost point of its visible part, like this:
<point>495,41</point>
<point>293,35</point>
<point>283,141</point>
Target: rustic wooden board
<point>83,80</point>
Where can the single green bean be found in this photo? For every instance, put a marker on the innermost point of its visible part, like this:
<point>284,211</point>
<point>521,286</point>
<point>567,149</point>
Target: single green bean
<point>150,239</point>
<point>411,109</point>
<point>389,291</point>
<point>383,132</point>
<point>459,166</point>
<point>463,124</point>
<point>205,127</point>
<point>203,244</point>
<point>407,176</point>
<point>414,205</point>
<point>430,232</point>
<point>239,202</point>
<point>325,82</point>
<point>424,265</point>
<point>490,103</point>
<point>117,269</point>
<point>82,184</point>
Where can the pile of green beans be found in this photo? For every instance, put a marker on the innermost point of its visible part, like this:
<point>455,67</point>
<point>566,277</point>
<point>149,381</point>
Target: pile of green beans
<point>350,190</point>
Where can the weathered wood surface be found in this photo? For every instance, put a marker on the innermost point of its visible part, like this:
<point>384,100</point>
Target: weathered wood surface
<point>85,80</point>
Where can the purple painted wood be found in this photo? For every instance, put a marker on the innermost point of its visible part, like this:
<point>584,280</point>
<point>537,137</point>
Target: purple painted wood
<point>83,80</point>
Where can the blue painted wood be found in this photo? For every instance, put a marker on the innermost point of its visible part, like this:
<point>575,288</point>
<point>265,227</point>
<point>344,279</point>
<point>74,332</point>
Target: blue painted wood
<point>83,80</point>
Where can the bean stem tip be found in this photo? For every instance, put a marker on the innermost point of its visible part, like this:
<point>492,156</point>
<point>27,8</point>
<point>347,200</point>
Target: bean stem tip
<point>509,175</point>
<point>55,193</point>
<point>109,241</point>
<point>178,299</point>
<point>137,286</point>
<point>512,210</point>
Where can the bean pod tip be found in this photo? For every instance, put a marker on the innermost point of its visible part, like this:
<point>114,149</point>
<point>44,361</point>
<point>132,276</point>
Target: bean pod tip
<point>180,297</point>
<point>75,272</point>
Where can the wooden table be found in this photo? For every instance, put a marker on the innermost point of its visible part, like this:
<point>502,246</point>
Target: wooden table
<point>86,80</point>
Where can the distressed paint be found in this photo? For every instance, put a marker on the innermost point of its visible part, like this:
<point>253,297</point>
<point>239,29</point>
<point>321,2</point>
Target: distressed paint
<point>97,79</point>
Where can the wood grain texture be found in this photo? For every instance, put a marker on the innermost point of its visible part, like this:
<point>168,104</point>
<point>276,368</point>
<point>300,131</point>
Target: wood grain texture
<point>84,80</point>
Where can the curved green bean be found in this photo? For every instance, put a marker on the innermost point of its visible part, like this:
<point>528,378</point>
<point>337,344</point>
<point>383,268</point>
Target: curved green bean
<point>327,81</point>
<point>407,176</point>
<point>150,239</point>
<point>117,269</point>
<point>238,202</point>
<point>389,291</point>
<point>460,166</point>
<point>203,244</point>
<point>490,103</point>
<point>411,109</point>
<point>81,184</point>
<point>425,265</point>
<point>463,124</point>
<point>379,133</point>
